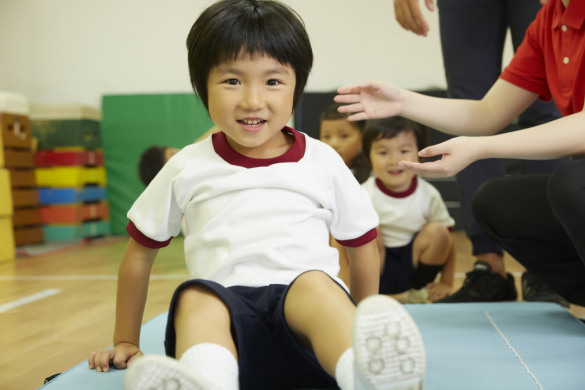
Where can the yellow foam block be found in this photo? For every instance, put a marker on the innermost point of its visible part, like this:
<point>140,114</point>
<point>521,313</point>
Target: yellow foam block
<point>7,251</point>
<point>70,176</point>
<point>6,207</point>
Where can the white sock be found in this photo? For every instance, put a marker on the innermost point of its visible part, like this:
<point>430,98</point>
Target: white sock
<point>214,363</point>
<point>344,371</point>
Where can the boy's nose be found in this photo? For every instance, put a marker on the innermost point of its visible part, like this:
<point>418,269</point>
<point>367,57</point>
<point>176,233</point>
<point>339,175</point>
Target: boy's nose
<point>251,99</point>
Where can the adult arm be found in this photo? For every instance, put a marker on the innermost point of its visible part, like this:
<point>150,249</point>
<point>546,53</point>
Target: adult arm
<point>560,138</point>
<point>364,270</point>
<point>377,99</point>
<point>410,17</point>
<point>133,278</point>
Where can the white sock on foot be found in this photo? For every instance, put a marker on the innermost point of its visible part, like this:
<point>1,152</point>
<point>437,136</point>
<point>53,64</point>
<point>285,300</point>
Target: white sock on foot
<point>344,371</point>
<point>214,363</point>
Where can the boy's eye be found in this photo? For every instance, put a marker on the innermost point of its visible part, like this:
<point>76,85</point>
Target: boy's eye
<point>232,81</point>
<point>273,82</point>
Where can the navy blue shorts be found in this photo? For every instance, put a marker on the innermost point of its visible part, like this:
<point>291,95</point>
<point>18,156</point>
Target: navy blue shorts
<point>398,270</point>
<point>269,356</point>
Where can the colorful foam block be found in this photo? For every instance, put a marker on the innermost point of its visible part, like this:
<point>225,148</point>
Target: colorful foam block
<point>15,158</point>
<point>48,158</point>
<point>22,178</point>
<point>64,125</point>
<point>28,235</point>
<point>70,176</point>
<point>26,217</point>
<point>74,232</point>
<point>50,196</point>
<point>25,197</point>
<point>74,213</point>
<point>5,194</point>
<point>7,252</point>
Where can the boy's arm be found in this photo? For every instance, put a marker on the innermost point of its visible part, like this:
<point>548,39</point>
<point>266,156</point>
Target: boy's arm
<point>133,278</point>
<point>376,99</point>
<point>364,270</point>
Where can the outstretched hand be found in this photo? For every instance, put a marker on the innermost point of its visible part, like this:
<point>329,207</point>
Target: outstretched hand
<point>121,356</point>
<point>457,154</point>
<point>370,100</point>
<point>410,17</point>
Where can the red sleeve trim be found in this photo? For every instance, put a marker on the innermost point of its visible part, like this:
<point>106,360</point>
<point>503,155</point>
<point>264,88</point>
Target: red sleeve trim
<point>143,240</point>
<point>369,236</point>
<point>451,229</point>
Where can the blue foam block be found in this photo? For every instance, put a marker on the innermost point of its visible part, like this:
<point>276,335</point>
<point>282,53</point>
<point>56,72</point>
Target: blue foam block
<point>489,346</point>
<point>49,196</point>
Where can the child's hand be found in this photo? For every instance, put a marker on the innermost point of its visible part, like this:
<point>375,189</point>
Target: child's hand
<point>121,355</point>
<point>457,154</point>
<point>438,291</point>
<point>371,100</point>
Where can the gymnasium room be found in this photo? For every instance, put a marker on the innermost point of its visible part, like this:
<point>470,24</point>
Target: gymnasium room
<point>96,96</point>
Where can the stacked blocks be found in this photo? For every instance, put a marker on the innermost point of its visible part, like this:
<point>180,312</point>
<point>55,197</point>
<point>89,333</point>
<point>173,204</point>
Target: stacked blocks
<point>70,171</point>
<point>18,158</point>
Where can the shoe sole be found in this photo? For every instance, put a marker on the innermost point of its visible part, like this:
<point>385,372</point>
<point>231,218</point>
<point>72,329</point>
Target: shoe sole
<point>157,372</point>
<point>388,348</point>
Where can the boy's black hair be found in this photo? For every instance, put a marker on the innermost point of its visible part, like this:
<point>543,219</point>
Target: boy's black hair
<point>331,113</point>
<point>377,129</point>
<point>229,28</point>
<point>151,162</point>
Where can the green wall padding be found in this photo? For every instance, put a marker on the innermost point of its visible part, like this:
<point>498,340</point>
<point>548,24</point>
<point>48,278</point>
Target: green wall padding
<point>132,123</point>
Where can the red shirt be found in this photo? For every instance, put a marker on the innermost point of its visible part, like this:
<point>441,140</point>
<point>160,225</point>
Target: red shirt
<point>551,59</point>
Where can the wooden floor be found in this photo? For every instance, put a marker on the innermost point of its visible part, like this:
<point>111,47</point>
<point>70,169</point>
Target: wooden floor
<point>54,333</point>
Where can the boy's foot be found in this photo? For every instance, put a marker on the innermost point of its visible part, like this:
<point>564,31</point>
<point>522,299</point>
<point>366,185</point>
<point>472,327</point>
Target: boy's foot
<point>483,285</point>
<point>418,296</point>
<point>388,348</point>
<point>533,290</point>
<point>160,372</point>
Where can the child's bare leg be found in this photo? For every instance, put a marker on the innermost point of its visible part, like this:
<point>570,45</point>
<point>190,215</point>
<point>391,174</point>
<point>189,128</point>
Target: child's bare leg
<point>432,245</point>
<point>197,303</point>
<point>320,314</point>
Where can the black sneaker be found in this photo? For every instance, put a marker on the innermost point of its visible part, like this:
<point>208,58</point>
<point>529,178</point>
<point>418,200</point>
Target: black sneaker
<point>483,285</point>
<point>533,290</point>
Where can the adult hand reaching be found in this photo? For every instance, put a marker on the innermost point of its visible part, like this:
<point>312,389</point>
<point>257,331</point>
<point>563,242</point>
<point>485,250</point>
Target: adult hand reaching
<point>457,153</point>
<point>370,100</point>
<point>410,17</point>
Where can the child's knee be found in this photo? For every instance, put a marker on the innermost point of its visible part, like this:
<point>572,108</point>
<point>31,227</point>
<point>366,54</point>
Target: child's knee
<point>436,232</point>
<point>198,299</point>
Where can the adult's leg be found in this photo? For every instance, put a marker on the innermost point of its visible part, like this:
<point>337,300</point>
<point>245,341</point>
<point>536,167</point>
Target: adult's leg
<point>516,212</point>
<point>472,40</point>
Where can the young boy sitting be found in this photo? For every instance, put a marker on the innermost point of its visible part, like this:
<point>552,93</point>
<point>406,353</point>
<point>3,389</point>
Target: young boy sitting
<point>415,241</point>
<point>264,308</point>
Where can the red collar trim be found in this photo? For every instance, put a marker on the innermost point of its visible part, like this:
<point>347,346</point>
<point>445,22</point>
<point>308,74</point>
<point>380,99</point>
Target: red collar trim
<point>573,16</point>
<point>225,151</point>
<point>395,194</point>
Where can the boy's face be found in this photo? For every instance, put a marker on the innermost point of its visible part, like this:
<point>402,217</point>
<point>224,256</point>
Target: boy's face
<point>385,155</point>
<point>250,100</point>
<point>342,136</point>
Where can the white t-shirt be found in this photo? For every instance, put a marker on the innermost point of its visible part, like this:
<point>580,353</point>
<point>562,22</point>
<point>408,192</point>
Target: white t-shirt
<point>404,214</point>
<point>255,222</point>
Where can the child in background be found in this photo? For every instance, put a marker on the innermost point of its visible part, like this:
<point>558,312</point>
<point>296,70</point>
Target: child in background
<point>414,236</point>
<point>155,157</point>
<point>346,138</point>
<point>264,308</point>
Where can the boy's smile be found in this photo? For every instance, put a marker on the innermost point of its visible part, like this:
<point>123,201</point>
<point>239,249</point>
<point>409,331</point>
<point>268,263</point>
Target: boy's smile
<point>385,155</point>
<point>250,100</point>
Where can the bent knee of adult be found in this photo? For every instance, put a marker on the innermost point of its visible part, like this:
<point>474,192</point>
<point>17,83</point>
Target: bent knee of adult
<point>566,189</point>
<point>484,204</point>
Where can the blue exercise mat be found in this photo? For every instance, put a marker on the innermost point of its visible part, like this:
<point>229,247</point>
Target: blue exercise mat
<point>491,346</point>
